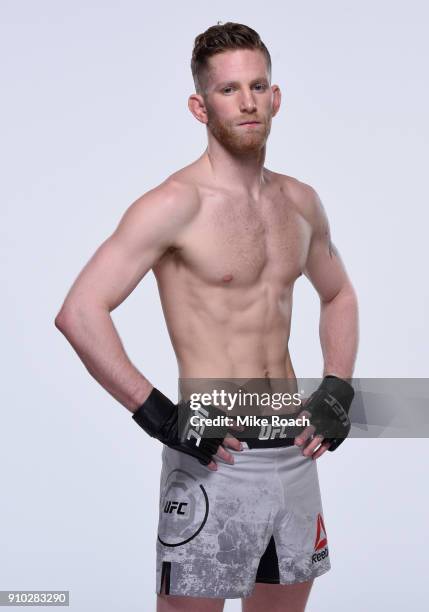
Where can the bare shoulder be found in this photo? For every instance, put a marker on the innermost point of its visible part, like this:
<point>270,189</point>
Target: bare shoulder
<point>166,209</point>
<point>305,199</point>
<point>173,198</point>
<point>160,216</point>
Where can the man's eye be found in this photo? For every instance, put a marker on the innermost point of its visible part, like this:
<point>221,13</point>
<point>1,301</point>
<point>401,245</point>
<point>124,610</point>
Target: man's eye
<point>258,86</point>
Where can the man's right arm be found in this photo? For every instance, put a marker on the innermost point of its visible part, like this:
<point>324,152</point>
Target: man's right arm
<point>150,226</point>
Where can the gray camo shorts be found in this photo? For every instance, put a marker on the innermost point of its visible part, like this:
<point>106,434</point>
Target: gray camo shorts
<point>259,520</point>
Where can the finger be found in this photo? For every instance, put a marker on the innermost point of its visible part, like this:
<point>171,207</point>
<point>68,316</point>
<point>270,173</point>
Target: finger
<point>312,445</point>
<point>303,413</point>
<point>212,466</point>
<point>323,448</point>
<point>302,438</point>
<point>305,428</point>
<point>232,442</point>
<point>223,454</point>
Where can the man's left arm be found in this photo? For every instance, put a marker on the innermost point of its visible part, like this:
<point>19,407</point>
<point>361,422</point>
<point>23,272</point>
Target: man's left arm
<point>339,331</point>
<point>339,323</point>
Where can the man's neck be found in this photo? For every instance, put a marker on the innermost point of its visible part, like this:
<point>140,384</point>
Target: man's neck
<point>242,173</point>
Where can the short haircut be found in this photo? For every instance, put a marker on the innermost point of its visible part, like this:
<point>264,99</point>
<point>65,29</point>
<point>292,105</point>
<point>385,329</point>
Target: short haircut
<point>220,38</point>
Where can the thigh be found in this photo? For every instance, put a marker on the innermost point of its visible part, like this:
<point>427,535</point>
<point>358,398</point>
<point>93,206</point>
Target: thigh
<point>170,603</point>
<point>278,597</point>
<point>213,526</point>
<point>299,529</point>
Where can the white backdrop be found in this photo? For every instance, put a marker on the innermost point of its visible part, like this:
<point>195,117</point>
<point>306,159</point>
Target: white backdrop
<point>94,113</point>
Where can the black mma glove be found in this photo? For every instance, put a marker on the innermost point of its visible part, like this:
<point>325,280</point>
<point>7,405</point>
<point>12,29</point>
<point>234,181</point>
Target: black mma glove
<point>159,417</point>
<point>328,407</point>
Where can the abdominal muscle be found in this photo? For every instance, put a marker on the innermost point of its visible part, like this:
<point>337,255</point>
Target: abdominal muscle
<point>229,331</point>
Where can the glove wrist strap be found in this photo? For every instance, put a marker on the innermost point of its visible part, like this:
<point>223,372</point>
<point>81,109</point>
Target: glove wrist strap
<point>154,412</point>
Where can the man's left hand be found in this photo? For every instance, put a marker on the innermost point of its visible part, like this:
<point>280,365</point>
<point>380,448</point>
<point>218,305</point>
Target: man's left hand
<point>327,409</point>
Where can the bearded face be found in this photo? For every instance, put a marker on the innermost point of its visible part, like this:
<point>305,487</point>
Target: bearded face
<point>237,138</point>
<point>237,90</point>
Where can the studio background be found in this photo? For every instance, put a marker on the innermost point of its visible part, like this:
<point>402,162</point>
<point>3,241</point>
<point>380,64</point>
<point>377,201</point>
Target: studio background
<point>94,113</point>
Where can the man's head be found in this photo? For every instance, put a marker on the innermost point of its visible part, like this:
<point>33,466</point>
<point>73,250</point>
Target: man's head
<point>231,68</point>
<point>218,39</point>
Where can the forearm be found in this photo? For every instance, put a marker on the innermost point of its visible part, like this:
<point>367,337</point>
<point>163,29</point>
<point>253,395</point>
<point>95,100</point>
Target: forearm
<point>339,333</point>
<point>92,334</point>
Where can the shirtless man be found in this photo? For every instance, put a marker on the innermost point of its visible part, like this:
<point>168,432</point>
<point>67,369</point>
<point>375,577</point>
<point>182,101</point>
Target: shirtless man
<point>226,239</point>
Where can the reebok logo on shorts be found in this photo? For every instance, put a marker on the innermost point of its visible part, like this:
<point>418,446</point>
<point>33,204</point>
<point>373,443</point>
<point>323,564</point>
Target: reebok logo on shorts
<point>321,543</point>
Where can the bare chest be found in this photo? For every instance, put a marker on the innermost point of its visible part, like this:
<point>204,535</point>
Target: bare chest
<point>240,242</point>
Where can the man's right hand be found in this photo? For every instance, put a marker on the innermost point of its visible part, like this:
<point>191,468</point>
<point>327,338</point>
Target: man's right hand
<point>159,417</point>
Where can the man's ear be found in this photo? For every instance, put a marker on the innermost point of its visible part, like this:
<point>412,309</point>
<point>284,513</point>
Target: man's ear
<point>197,107</point>
<point>277,98</point>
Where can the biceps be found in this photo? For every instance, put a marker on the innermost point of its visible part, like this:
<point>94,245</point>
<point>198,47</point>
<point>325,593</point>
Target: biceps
<point>325,270</point>
<point>112,273</point>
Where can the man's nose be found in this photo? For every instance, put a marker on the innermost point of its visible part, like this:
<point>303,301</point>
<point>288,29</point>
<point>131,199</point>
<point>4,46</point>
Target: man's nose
<point>247,102</point>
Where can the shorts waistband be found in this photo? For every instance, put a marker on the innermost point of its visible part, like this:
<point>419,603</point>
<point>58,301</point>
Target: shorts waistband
<point>274,443</point>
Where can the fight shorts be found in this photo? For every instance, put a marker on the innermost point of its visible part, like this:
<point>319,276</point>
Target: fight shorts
<point>258,520</point>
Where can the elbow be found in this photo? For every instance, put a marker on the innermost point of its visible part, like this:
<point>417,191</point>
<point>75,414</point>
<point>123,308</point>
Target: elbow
<point>76,315</point>
<point>348,297</point>
<point>66,319</point>
<point>61,321</point>
<point>351,294</point>
<point>348,303</point>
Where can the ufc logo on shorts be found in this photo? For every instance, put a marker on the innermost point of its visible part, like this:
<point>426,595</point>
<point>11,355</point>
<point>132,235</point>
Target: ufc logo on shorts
<point>174,506</point>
